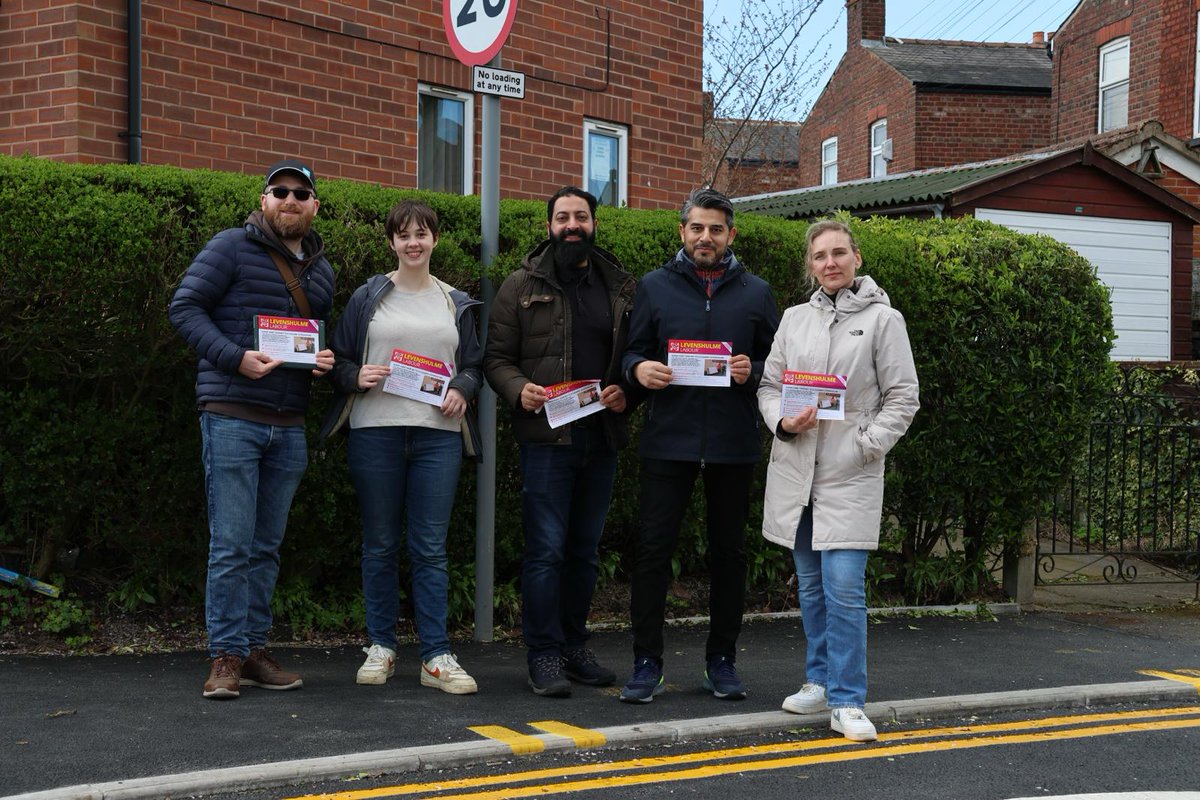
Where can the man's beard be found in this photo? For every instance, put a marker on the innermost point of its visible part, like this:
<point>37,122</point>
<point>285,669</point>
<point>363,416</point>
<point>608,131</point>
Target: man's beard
<point>572,254</point>
<point>290,227</point>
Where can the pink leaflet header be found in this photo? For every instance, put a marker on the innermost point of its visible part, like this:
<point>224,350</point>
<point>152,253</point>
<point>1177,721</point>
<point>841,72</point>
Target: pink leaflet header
<point>293,324</point>
<point>817,380</point>
<point>424,363</point>
<point>699,347</point>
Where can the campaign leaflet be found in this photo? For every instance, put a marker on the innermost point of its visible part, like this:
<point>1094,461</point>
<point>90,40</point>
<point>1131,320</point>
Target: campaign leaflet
<point>572,400</point>
<point>803,390</point>
<point>698,363</point>
<point>294,341</point>
<point>418,377</point>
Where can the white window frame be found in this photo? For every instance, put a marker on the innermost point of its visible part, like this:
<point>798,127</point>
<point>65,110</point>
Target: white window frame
<point>1196,89</point>
<point>828,163</point>
<point>1104,86</point>
<point>468,101</point>
<point>877,149</point>
<point>621,134</point>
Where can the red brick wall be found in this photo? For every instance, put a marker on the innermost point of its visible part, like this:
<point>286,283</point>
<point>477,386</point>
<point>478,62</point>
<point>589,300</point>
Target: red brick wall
<point>862,90</point>
<point>960,128</point>
<point>234,84</point>
<point>1162,40</point>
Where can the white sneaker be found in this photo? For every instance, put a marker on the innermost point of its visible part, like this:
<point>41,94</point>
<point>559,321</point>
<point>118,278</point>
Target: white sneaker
<point>809,700</point>
<point>853,724</point>
<point>379,666</point>
<point>443,672</point>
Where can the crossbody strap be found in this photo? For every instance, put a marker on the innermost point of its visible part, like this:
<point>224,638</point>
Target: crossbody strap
<point>293,284</point>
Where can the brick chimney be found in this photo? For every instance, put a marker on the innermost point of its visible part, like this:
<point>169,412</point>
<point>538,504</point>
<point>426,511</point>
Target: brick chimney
<point>1039,37</point>
<point>864,21</point>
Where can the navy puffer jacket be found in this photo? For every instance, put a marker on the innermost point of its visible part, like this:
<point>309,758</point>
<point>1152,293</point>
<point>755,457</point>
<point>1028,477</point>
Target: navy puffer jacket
<point>229,282</point>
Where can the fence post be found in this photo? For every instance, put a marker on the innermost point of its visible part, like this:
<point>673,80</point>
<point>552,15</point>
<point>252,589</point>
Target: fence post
<point>1019,570</point>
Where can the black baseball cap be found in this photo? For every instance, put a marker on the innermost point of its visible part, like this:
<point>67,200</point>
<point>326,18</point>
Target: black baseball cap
<point>292,165</point>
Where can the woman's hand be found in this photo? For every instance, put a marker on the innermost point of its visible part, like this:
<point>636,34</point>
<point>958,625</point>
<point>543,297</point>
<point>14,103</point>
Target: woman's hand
<point>369,375</point>
<point>455,404</point>
<point>613,398</point>
<point>806,420</point>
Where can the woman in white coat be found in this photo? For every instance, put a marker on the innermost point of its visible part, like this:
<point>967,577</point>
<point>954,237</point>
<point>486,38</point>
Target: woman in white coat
<point>824,495</point>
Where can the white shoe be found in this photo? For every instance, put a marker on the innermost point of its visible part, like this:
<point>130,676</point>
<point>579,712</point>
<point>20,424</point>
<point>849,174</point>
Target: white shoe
<point>853,724</point>
<point>379,666</point>
<point>443,672</point>
<point>809,700</point>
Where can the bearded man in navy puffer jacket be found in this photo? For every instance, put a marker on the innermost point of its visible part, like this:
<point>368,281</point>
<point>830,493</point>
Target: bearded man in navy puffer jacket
<point>252,414</point>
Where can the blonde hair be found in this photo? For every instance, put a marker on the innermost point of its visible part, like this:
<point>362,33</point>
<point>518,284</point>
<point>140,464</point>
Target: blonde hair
<point>825,226</point>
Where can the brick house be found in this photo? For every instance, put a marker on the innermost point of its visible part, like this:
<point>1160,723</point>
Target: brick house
<point>896,105</point>
<point>367,90</point>
<point>751,156</point>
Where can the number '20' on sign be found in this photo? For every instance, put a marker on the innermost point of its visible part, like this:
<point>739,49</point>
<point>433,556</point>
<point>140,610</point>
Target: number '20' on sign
<point>477,29</point>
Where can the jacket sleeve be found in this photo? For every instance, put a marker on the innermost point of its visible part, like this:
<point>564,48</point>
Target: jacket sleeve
<point>764,338</point>
<point>896,375</point>
<point>501,360</point>
<point>202,289</point>
<point>643,334</point>
<point>770,387</point>
<point>470,357</point>
<point>347,344</point>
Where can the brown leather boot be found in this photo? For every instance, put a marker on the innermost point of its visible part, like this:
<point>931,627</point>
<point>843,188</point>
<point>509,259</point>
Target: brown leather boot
<point>224,677</point>
<point>263,671</point>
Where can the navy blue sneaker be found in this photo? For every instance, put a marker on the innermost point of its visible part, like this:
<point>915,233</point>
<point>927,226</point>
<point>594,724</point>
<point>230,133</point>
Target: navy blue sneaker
<point>546,677</point>
<point>581,666</point>
<point>721,679</point>
<point>646,682</point>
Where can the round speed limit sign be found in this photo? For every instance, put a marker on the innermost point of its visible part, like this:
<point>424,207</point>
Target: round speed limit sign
<point>477,28</point>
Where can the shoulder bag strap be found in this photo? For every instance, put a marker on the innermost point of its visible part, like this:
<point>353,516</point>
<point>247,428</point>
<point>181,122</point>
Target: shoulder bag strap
<point>293,284</point>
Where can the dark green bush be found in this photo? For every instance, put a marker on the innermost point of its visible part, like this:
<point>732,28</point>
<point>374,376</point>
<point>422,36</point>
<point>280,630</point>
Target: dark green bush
<point>100,446</point>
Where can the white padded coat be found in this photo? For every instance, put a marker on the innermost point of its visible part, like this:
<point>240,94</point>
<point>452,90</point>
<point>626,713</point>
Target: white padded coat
<point>838,466</point>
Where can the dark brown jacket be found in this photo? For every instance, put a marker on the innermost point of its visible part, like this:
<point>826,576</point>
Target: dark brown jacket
<point>529,340</point>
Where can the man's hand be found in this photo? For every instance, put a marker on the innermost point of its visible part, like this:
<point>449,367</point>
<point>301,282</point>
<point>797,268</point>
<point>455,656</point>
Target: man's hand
<point>652,374</point>
<point>324,363</point>
<point>369,375</point>
<point>255,364</point>
<point>739,368</point>
<point>806,420</point>
<point>454,405</point>
<point>533,397</point>
<point>613,398</point>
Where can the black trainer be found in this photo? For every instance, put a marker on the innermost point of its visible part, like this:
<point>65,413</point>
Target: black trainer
<point>546,677</point>
<point>582,667</point>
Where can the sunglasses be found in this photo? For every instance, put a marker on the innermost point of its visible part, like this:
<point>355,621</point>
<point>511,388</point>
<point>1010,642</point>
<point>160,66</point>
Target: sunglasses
<point>281,193</point>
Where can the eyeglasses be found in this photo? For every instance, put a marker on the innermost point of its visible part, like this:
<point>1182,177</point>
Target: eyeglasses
<point>281,193</point>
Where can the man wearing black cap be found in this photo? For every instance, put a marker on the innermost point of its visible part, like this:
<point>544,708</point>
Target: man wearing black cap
<point>252,413</point>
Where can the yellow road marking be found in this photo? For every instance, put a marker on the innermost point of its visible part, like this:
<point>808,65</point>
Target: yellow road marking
<point>889,744</point>
<point>1182,676</point>
<point>521,743</point>
<point>582,737</point>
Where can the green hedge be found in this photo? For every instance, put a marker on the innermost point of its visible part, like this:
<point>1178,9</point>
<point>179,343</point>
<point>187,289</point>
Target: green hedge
<point>100,446</point>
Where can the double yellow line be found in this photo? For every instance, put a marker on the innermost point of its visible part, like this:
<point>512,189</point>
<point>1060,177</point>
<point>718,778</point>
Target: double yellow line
<point>784,755</point>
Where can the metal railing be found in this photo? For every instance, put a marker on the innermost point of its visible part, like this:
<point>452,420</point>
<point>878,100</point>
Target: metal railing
<point>1130,512</point>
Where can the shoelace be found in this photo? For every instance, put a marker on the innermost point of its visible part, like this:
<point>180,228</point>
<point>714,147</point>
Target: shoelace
<point>724,670</point>
<point>265,658</point>
<point>852,713</point>
<point>549,663</point>
<point>645,670</point>
<point>225,666</point>
<point>583,656</point>
<point>448,664</point>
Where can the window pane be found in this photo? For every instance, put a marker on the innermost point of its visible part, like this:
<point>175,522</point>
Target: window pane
<point>1114,64</point>
<point>878,134</point>
<point>878,166</point>
<point>829,174</point>
<point>829,151</point>
<point>1114,107</point>
<point>603,167</point>
<point>440,137</point>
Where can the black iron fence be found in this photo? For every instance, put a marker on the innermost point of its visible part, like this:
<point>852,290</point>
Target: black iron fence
<point>1131,511</point>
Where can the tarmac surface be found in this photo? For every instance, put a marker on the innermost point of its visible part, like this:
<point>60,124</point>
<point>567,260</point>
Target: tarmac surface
<point>137,726</point>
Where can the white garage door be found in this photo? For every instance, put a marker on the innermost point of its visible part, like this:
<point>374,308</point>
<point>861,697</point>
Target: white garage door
<point>1132,258</point>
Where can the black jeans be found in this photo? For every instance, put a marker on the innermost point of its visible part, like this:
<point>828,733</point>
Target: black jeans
<point>666,489</point>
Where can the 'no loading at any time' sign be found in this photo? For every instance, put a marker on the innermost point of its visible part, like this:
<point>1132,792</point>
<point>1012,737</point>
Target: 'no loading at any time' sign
<point>477,29</point>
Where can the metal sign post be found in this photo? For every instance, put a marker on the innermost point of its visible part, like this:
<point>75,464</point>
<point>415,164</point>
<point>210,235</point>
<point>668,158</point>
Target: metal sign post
<point>476,30</point>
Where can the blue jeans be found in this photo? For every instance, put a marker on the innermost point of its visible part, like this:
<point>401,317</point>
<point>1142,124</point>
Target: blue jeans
<point>565,490</point>
<point>251,472</point>
<point>406,477</point>
<point>833,604</point>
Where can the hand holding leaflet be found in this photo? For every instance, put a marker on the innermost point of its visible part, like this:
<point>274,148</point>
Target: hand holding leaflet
<point>418,377</point>
<point>807,389</point>
<point>694,362</point>
<point>572,400</point>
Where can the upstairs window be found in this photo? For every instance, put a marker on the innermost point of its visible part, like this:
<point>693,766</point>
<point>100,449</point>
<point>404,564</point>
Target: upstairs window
<point>878,157</point>
<point>1196,102</point>
<point>445,140</point>
<point>605,162</point>
<point>1114,84</point>
<point>829,161</point>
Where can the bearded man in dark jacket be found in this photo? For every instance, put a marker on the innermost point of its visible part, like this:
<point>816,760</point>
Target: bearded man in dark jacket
<point>252,413</point>
<point>563,317</point>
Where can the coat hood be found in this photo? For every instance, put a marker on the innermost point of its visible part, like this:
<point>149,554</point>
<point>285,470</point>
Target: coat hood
<point>848,301</point>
